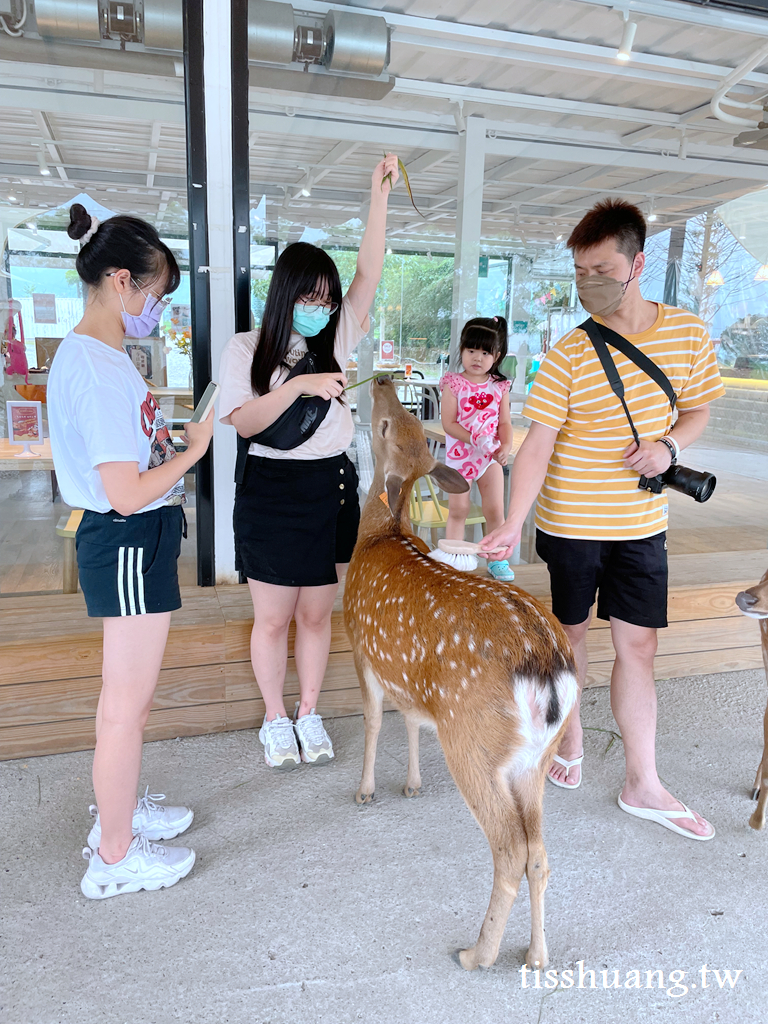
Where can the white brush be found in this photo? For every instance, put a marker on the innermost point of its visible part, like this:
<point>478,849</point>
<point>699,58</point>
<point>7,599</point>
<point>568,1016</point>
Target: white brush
<point>460,554</point>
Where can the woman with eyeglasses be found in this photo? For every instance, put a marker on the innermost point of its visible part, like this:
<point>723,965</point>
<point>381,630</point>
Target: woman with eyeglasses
<point>115,459</point>
<point>296,504</point>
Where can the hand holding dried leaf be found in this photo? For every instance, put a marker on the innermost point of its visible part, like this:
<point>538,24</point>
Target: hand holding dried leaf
<point>388,177</point>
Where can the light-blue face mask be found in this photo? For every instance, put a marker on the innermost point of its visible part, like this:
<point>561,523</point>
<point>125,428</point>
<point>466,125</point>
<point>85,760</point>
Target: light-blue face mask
<point>309,321</point>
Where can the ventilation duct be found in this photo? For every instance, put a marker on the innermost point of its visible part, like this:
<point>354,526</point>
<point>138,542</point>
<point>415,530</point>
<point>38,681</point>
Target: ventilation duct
<point>343,42</point>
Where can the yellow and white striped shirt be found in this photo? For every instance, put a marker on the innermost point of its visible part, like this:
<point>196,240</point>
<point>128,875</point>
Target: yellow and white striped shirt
<point>587,493</point>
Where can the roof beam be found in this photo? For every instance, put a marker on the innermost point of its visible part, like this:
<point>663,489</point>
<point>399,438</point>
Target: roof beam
<point>41,120</point>
<point>426,161</point>
<point>520,47</point>
<point>154,142</point>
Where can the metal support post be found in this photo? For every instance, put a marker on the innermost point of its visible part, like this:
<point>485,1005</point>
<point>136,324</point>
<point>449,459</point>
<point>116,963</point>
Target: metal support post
<point>469,212</point>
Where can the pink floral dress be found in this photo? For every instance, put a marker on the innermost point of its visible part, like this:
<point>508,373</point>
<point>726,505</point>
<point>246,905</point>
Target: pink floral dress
<point>478,413</point>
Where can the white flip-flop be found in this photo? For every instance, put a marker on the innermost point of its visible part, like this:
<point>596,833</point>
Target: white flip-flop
<point>665,819</point>
<point>567,765</point>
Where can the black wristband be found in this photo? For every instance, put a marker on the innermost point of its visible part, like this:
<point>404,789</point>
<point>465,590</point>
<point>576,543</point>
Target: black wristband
<point>671,448</point>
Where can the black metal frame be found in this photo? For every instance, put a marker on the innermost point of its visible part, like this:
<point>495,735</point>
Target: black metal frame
<point>199,285</point>
<point>241,198</point>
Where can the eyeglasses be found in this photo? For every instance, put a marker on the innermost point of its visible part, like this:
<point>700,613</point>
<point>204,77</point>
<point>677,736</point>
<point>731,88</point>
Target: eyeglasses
<point>162,303</point>
<point>316,307</point>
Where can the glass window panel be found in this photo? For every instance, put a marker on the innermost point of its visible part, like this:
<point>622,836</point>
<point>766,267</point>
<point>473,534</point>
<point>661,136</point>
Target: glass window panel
<point>116,158</point>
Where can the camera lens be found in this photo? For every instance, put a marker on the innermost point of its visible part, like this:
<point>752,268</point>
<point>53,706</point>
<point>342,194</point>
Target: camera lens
<point>699,486</point>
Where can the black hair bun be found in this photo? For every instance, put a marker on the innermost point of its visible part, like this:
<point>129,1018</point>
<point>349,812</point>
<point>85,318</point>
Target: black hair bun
<point>79,221</point>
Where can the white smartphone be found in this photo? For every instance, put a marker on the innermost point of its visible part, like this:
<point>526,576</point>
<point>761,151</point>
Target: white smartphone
<point>205,404</point>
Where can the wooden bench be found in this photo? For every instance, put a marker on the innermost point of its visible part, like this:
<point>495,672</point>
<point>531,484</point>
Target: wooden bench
<point>50,656</point>
<point>67,528</point>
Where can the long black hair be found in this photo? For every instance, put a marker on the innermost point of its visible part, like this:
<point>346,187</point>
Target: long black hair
<point>121,243</point>
<point>301,270</point>
<point>488,333</point>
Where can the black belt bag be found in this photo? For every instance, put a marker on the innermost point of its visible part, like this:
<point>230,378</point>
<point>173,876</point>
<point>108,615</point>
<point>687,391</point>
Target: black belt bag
<point>699,486</point>
<point>291,428</point>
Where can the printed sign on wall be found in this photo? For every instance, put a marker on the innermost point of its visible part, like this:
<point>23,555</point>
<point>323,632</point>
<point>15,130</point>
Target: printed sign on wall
<point>45,308</point>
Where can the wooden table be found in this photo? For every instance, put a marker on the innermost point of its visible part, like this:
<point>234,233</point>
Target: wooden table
<point>43,461</point>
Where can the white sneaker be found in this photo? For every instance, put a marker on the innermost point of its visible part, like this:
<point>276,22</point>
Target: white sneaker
<point>149,819</point>
<point>146,865</point>
<point>314,741</point>
<point>280,747</point>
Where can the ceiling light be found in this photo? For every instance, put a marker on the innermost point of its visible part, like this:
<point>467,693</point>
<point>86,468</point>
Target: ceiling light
<point>12,199</point>
<point>652,216</point>
<point>715,279</point>
<point>306,190</point>
<point>762,273</point>
<point>627,39</point>
<point>44,168</point>
<point>559,238</point>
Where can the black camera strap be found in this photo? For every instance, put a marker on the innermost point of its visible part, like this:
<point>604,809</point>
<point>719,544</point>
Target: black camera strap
<point>599,334</point>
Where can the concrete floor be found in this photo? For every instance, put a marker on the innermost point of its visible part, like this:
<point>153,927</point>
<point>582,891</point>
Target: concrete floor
<point>303,907</point>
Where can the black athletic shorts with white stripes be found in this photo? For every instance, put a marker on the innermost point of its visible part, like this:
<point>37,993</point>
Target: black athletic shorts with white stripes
<point>127,564</point>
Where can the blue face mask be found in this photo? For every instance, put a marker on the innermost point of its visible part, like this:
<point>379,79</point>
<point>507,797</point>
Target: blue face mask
<point>309,322</point>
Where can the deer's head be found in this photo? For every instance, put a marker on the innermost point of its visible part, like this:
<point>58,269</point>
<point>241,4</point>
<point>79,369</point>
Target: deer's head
<point>754,602</point>
<point>401,451</point>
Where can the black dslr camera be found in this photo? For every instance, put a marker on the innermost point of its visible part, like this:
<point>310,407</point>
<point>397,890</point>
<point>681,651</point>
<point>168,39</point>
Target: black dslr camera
<point>699,486</point>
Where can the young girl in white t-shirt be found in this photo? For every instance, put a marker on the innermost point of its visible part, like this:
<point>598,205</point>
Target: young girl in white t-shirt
<point>296,504</point>
<point>478,427</point>
<point>115,459</point>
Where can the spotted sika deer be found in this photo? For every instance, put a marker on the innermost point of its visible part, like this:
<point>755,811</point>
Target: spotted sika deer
<point>480,661</point>
<point>754,603</point>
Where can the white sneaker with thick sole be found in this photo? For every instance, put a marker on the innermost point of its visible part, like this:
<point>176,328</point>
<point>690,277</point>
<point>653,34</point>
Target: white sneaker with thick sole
<point>280,747</point>
<point>146,865</point>
<point>314,741</point>
<point>149,819</point>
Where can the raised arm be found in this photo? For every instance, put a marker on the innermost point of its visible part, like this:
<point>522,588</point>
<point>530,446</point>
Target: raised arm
<point>370,257</point>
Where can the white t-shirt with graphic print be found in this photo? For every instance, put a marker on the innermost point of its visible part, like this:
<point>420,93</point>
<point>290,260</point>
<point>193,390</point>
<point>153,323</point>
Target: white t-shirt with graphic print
<point>101,410</point>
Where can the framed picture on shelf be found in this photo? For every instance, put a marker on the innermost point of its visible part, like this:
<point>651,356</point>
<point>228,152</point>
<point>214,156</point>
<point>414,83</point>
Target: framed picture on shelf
<point>25,427</point>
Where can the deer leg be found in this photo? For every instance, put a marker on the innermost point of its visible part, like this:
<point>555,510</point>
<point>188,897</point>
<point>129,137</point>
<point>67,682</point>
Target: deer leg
<point>509,858</point>
<point>373,696</point>
<point>489,799</point>
<point>413,782</point>
<point>757,821</point>
<point>537,869</point>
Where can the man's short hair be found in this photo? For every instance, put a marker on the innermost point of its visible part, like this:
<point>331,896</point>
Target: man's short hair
<point>611,218</point>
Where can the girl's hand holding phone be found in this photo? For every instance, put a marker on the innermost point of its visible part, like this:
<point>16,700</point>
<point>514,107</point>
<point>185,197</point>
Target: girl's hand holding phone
<point>323,385</point>
<point>197,436</point>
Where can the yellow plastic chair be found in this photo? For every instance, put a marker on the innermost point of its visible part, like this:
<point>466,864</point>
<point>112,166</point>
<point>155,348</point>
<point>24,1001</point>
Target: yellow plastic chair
<point>432,514</point>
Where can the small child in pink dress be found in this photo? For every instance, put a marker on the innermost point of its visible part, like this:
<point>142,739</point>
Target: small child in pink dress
<point>478,427</point>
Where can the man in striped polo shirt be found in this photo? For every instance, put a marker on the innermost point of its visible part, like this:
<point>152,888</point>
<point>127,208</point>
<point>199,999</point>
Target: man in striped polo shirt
<point>599,534</point>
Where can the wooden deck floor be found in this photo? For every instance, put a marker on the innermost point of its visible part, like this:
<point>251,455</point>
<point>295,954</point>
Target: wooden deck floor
<point>50,656</point>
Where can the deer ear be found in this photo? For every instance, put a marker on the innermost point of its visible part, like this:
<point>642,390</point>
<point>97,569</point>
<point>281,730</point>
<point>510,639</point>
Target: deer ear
<point>394,485</point>
<point>449,479</point>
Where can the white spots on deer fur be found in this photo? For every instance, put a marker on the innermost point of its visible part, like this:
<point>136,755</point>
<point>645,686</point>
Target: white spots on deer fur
<point>400,617</point>
<point>527,645</point>
<point>488,644</point>
<point>441,691</point>
<point>411,621</point>
<point>438,613</point>
<point>452,664</point>
<point>471,645</point>
<point>473,673</point>
<point>456,639</point>
<point>405,676</point>
<point>450,712</point>
<point>440,647</point>
<point>378,605</point>
<point>404,656</point>
<point>464,684</point>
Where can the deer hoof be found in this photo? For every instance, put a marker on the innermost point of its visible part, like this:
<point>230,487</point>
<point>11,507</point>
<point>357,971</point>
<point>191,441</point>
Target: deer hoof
<point>755,794</point>
<point>363,798</point>
<point>411,791</point>
<point>467,958</point>
<point>535,960</point>
<point>757,821</point>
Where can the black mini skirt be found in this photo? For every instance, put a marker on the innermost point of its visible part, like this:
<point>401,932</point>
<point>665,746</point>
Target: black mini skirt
<point>295,519</point>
